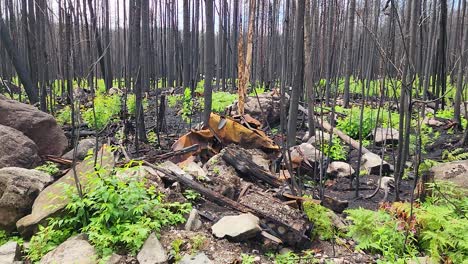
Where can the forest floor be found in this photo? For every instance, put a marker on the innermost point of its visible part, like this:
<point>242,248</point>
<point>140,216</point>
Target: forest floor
<point>236,167</point>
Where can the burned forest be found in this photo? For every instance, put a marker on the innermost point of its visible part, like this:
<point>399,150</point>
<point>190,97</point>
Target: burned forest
<point>233,131</point>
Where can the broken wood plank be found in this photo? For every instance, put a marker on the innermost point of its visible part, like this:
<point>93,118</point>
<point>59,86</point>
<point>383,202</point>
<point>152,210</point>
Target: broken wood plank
<point>241,160</point>
<point>59,160</point>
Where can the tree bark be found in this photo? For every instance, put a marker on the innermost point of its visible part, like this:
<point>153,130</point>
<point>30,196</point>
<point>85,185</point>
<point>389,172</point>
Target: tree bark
<point>18,63</point>
<point>349,50</point>
<point>209,59</point>
<point>298,80</point>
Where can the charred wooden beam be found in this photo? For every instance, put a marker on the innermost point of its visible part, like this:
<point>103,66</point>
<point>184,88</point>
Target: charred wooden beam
<point>241,160</point>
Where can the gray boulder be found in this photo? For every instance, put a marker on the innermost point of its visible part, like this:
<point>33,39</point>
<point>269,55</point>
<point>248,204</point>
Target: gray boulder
<point>383,135</point>
<point>82,149</point>
<point>238,227</point>
<point>18,189</point>
<point>199,258</point>
<point>320,136</point>
<point>152,251</point>
<point>40,127</point>
<point>74,250</point>
<point>372,163</point>
<point>16,149</point>
<point>9,252</point>
<point>307,153</point>
<point>340,169</point>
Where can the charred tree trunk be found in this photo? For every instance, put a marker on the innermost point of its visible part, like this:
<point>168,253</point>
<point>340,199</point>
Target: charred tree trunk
<point>209,59</point>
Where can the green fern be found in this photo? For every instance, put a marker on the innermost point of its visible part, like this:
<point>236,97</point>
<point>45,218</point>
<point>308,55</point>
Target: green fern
<point>455,155</point>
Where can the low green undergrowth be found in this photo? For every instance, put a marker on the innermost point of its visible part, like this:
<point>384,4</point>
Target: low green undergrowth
<point>5,237</point>
<point>454,155</point>
<point>107,108</point>
<point>335,151</point>
<point>131,104</point>
<point>116,213</point>
<point>438,227</point>
<point>189,105</point>
<point>49,168</point>
<point>304,257</point>
<point>318,215</point>
<point>350,123</point>
<point>63,116</point>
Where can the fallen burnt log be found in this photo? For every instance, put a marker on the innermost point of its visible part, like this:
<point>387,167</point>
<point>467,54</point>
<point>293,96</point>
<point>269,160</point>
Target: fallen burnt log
<point>294,229</point>
<point>241,160</point>
<point>280,212</point>
<point>375,162</point>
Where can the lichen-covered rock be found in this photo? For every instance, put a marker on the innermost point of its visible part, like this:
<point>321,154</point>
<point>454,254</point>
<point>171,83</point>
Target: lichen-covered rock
<point>455,172</point>
<point>373,163</point>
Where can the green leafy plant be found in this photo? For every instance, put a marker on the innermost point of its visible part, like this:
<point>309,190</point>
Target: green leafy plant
<point>191,195</point>
<point>131,104</point>
<point>293,258</point>
<point>221,100</point>
<point>48,238</point>
<point>350,124</point>
<point>107,109</point>
<point>443,223</point>
<point>257,90</point>
<point>176,248</point>
<point>216,170</point>
<point>318,215</point>
<point>454,155</point>
<point>287,258</point>
<point>187,104</point>
<point>197,242</point>
<point>152,137</point>
<point>247,259</point>
<point>117,214</point>
<point>49,168</point>
<point>336,151</point>
<point>64,116</point>
<point>172,100</point>
<point>305,257</point>
<point>438,227</point>
<point>3,237</point>
<point>449,113</point>
<point>379,232</point>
